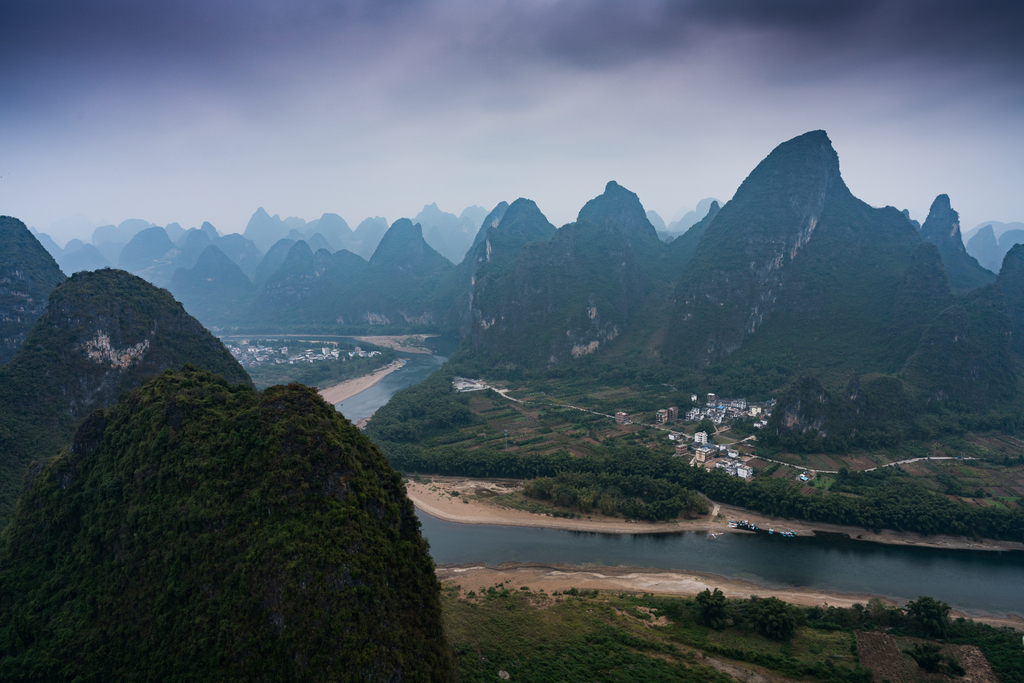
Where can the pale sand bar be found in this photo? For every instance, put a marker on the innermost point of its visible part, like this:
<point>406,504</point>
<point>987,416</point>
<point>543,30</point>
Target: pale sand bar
<point>400,342</point>
<point>349,388</point>
<point>551,578</point>
<point>436,500</point>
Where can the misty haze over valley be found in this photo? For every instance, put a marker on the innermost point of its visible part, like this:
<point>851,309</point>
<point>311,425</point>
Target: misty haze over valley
<point>545,341</point>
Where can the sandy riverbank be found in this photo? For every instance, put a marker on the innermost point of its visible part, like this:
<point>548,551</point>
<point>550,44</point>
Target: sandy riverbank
<point>552,578</point>
<point>406,343</point>
<point>349,388</point>
<point>472,507</point>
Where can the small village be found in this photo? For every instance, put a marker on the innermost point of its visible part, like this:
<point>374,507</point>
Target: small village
<point>722,411</point>
<point>258,353</point>
<point>732,458</point>
<point>699,446</point>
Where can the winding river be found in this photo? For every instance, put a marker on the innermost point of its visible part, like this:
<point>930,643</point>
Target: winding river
<point>972,581</point>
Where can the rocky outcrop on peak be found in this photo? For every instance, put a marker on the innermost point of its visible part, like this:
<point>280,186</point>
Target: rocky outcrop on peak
<point>942,228</point>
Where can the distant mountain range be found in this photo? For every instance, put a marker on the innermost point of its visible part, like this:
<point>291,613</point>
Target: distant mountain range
<point>793,276</point>
<point>448,234</point>
<point>990,242</point>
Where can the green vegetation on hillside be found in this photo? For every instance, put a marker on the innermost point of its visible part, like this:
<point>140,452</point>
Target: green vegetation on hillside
<point>103,334</point>
<point>582,635</point>
<point>204,531</point>
<point>429,428</point>
<point>567,296</point>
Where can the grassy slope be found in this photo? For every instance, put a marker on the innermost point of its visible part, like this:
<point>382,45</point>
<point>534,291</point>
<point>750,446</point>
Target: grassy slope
<point>586,636</point>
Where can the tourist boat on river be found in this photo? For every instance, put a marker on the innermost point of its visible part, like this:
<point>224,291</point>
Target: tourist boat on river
<point>750,526</point>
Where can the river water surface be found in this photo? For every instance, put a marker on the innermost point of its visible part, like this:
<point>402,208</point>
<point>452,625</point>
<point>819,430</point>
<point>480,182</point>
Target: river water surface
<point>973,581</point>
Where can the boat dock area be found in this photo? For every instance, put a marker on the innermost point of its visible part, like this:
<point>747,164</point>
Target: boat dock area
<point>749,526</point>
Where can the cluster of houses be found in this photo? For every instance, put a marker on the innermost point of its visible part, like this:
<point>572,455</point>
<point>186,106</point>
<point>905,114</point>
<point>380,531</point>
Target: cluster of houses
<point>461,384</point>
<point>707,454</point>
<point>250,355</point>
<point>724,410</point>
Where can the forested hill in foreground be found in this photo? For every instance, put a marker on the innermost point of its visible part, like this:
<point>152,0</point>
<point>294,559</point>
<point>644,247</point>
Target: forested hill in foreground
<point>200,530</point>
<point>27,276</point>
<point>102,335</point>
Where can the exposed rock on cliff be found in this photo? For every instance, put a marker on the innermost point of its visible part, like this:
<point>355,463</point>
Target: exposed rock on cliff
<point>27,276</point>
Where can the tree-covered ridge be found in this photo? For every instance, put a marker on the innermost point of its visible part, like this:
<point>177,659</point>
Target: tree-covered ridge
<point>966,362</point>
<point>103,334</point>
<point>568,296</point>
<point>204,531</point>
<point>481,275</point>
<point>27,276</point>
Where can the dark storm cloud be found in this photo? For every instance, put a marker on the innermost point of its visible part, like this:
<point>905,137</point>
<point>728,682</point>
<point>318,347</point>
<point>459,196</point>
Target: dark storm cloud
<point>246,102</point>
<point>56,44</point>
<point>209,37</point>
<point>804,35</point>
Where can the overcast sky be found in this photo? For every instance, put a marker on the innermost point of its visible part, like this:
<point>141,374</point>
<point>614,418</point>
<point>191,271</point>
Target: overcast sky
<point>205,110</point>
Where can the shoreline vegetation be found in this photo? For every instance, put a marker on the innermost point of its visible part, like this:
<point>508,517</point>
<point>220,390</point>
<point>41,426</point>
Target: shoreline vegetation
<point>560,577</point>
<point>465,500</point>
<point>343,391</point>
<point>587,462</point>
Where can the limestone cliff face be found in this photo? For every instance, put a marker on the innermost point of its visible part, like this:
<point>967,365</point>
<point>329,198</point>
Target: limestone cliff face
<point>494,256</point>
<point>1011,284</point>
<point>804,406</point>
<point>109,330</point>
<point>740,267</point>
<point>571,295</point>
<point>796,271</point>
<point>27,276</point>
